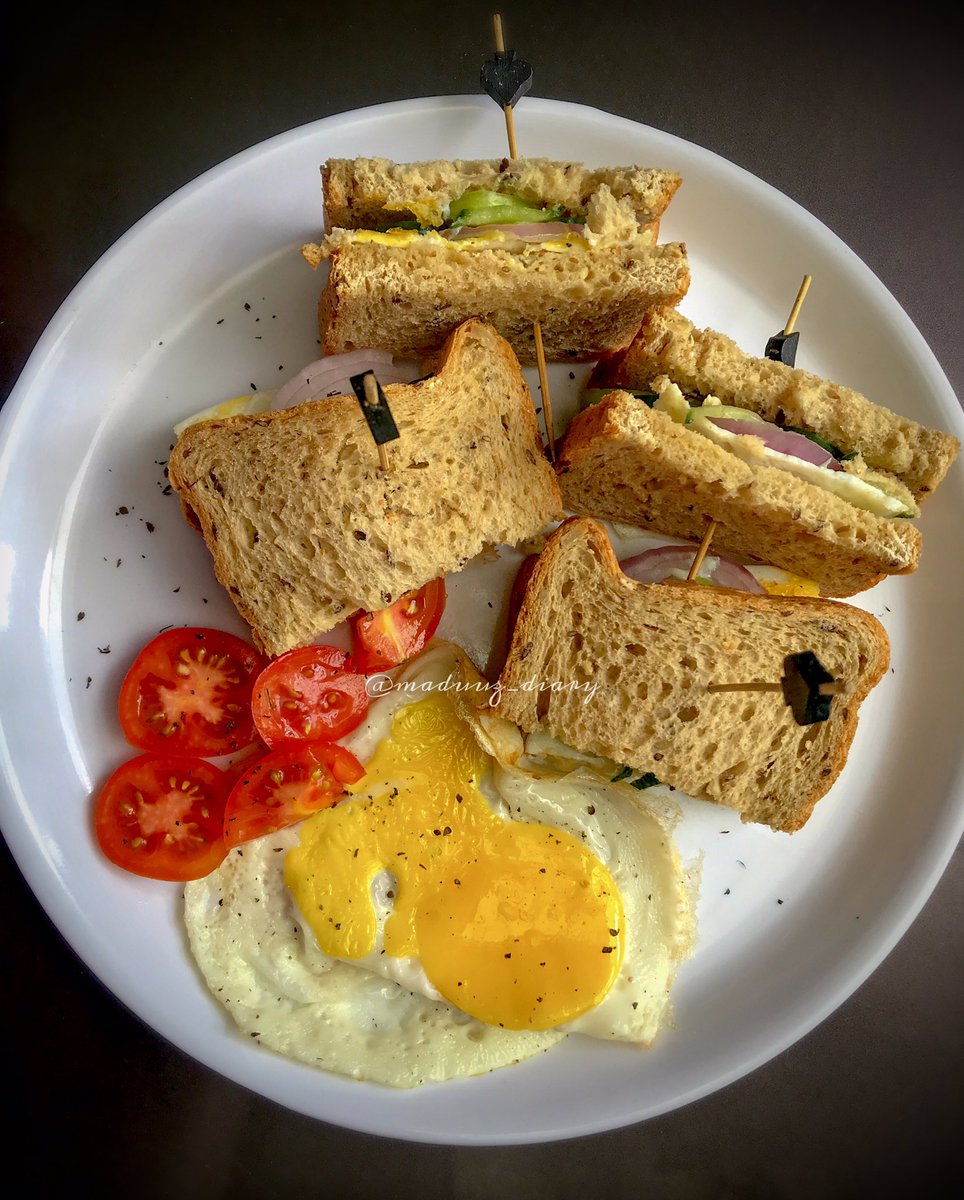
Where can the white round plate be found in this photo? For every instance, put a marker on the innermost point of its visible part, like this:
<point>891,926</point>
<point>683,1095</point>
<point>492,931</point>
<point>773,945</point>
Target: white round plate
<point>206,296</point>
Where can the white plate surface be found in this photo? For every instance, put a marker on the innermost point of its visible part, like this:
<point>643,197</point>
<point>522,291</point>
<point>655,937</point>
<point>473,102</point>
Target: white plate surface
<point>208,295</point>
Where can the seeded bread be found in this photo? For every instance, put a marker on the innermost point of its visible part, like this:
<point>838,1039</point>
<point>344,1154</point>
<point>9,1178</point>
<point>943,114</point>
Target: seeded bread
<point>305,528</point>
<point>653,649</point>
<point>623,461</point>
<point>408,299</point>
<point>366,193</point>
<point>703,361</point>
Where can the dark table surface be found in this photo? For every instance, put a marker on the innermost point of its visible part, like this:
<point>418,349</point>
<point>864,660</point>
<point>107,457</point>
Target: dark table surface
<point>857,117</point>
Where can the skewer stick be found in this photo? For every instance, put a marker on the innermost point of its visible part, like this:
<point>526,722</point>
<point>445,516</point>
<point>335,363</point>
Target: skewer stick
<point>701,552</point>
<point>823,689</point>
<point>536,325</point>
<point>544,385</point>
<point>798,304</point>
<point>371,397</point>
<point>507,108</point>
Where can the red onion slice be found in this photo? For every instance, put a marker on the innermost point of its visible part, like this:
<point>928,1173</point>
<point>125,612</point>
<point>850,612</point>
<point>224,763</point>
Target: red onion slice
<point>332,376</point>
<point>674,562</point>
<point>535,231</point>
<point>780,440</point>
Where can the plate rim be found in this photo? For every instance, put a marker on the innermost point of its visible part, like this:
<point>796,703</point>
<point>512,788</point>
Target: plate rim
<point>16,408</point>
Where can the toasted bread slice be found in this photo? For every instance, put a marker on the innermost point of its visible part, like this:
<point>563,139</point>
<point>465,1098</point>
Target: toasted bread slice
<point>407,299</point>
<point>654,648</point>
<point>625,462</point>
<point>367,193</point>
<point>304,526</point>
<point>705,362</point>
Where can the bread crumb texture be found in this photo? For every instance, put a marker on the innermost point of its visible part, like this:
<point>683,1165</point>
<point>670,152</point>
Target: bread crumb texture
<point>623,461</point>
<point>652,649</point>
<point>306,529</point>
<point>703,361</point>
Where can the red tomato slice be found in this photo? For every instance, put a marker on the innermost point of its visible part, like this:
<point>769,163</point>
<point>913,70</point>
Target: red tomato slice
<point>385,639</point>
<point>286,786</point>
<point>189,693</point>
<point>308,694</point>
<point>161,816</point>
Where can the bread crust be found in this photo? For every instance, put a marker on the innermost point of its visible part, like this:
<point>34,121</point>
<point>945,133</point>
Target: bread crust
<point>705,361</point>
<point>582,618</point>
<point>365,193</point>
<point>408,299</point>
<point>305,528</point>
<point>622,461</point>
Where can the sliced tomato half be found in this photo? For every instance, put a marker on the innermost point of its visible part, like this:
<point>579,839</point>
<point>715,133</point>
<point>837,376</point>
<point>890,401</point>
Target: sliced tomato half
<point>286,786</point>
<point>384,639</point>
<point>161,816</point>
<point>307,695</point>
<point>188,693</point>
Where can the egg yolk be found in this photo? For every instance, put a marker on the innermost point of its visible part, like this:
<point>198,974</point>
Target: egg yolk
<point>516,924</point>
<point>793,585</point>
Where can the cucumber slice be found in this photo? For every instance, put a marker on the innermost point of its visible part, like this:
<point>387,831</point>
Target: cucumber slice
<point>722,412</point>
<point>482,206</point>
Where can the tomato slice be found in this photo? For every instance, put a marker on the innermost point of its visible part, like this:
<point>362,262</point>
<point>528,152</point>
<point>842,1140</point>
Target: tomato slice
<point>188,693</point>
<point>307,695</point>
<point>161,816</point>
<point>286,786</point>
<point>386,638</point>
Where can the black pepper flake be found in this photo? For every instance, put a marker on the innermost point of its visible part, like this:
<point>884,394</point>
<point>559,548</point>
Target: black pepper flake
<point>247,306</point>
<point>572,374</point>
<point>253,387</point>
<point>221,321</point>
<point>779,901</point>
<point>542,870</point>
<point>489,602</point>
<point>458,882</point>
<point>118,563</point>
<point>150,526</point>
<point>104,649</point>
<point>614,933</point>
<point>122,511</point>
<point>81,615</point>
<point>87,685</point>
<point>727,892</point>
<point>742,864</point>
<point>507,956</point>
<point>607,949</point>
<point>591,809</point>
<point>176,590</point>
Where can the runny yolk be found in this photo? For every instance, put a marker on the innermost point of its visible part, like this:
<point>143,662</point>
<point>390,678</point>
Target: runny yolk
<point>517,924</point>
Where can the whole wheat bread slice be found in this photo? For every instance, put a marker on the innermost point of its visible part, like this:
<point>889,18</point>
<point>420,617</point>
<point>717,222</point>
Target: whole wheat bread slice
<point>623,461</point>
<point>704,362</point>
<point>366,193</point>
<point>304,526</point>
<point>407,299</point>
<point>652,649</point>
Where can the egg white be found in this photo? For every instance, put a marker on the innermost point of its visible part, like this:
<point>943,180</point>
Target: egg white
<point>379,1018</point>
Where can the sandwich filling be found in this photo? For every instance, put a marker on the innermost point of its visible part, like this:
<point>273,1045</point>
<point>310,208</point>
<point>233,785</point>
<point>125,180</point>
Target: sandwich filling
<point>762,443</point>
<point>486,219</point>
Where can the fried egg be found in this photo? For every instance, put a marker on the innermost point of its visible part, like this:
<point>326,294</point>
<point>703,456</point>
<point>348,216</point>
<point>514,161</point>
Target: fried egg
<point>473,901</point>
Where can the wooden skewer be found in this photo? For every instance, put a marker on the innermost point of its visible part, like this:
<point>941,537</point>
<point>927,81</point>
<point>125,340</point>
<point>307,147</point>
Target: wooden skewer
<point>507,109</point>
<point>544,385</point>
<point>371,398</point>
<point>823,689</point>
<point>701,552</point>
<point>798,304</point>
<point>536,325</point>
